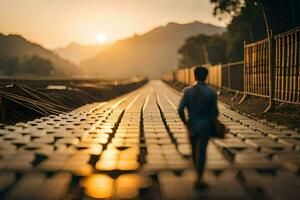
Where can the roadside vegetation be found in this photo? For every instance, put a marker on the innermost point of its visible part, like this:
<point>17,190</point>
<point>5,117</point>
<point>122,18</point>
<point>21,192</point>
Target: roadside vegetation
<point>247,24</point>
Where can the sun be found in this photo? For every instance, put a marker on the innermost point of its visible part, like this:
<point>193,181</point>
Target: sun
<point>101,38</point>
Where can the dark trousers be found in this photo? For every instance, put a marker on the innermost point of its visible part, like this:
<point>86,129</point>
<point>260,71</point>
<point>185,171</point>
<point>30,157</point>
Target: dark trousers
<point>199,145</point>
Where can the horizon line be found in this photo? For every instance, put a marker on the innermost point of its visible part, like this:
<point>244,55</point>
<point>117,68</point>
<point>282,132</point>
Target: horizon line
<point>50,47</point>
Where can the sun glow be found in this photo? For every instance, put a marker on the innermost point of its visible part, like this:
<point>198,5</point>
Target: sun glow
<point>101,38</point>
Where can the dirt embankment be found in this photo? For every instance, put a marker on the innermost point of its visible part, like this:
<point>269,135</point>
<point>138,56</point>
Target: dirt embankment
<point>20,102</point>
<point>282,113</point>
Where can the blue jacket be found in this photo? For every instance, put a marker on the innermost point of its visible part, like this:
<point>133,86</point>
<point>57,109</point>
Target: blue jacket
<point>201,112</point>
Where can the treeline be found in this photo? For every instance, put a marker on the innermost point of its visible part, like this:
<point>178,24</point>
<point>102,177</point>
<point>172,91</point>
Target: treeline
<point>249,21</point>
<point>35,65</point>
<point>20,56</point>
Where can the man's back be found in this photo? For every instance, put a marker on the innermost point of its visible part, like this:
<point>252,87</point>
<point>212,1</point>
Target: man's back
<point>201,103</point>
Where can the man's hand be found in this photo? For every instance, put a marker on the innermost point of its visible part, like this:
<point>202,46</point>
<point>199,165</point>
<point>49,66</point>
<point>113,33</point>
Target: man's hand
<point>181,107</point>
<point>185,123</point>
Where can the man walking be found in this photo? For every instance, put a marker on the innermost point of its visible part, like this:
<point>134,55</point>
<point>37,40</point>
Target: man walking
<point>201,104</point>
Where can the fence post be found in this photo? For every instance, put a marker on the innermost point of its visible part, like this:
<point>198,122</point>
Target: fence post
<point>219,78</point>
<point>229,76</point>
<point>190,81</point>
<point>245,92</point>
<point>271,72</point>
<point>245,78</point>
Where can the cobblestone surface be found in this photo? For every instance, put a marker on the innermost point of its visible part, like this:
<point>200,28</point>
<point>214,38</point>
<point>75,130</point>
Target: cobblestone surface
<point>135,147</point>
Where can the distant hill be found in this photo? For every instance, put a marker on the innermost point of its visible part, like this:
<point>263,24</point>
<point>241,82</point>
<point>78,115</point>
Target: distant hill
<point>18,47</point>
<point>150,54</point>
<point>77,52</point>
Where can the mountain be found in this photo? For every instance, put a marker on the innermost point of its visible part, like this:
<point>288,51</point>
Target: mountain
<point>150,54</point>
<point>77,52</point>
<point>18,47</point>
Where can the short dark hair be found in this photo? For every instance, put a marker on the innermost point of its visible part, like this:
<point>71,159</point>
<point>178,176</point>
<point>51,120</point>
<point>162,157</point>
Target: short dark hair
<point>200,73</point>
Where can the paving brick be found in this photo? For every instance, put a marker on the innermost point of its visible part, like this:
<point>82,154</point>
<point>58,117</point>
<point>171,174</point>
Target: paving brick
<point>136,147</point>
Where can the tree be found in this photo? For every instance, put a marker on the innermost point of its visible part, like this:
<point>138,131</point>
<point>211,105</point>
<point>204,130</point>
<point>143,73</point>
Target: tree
<point>9,65</point>
<point>249,22</point>
<point>34,65</point>
<point>37,66</point>
<point>215,50</point>
<point>223,8</point>
<point>281,15</point>
<point>193,51</point>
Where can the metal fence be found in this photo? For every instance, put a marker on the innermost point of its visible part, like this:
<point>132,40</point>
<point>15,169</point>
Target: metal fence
<point>256,68</point>
<point>224,76</point>
<point>233,76</point>
<point>271,69</point>
<point>287,66</point>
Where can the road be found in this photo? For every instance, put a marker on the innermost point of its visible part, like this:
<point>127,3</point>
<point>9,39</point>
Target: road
<point>135,147</point>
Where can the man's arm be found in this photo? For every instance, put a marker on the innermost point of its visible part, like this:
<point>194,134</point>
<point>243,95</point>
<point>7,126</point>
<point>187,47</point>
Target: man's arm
<point>182,105</point>
<point>215,110</point>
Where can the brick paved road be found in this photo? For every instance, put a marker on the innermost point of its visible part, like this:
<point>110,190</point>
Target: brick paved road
<point>135,147</point>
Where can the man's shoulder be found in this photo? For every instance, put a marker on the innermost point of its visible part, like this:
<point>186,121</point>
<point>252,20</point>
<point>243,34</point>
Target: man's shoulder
<point>187,89</point>
<point>212,91</point>
<point>207,90</point>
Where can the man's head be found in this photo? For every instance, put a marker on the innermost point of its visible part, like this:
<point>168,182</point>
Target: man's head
<point>200,73</point>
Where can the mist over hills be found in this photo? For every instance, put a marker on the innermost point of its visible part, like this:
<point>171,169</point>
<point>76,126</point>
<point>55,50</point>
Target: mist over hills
<point>15,46</point>
<point>149,54</point>
<point>76,52</point>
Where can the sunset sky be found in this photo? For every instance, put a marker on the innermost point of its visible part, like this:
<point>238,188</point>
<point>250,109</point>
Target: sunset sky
<point>54,23</point>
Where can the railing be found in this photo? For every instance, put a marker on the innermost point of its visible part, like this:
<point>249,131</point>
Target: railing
<point>233,76</point>
<point>215,76</point>
<point>256,72</point>
<point>271,69</point>
<point>224,76</point>
<point>287,66</point>
<point>280,81</point>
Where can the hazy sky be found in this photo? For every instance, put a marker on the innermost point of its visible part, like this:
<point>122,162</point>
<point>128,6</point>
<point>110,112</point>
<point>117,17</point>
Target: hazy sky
<point>54,23</point>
